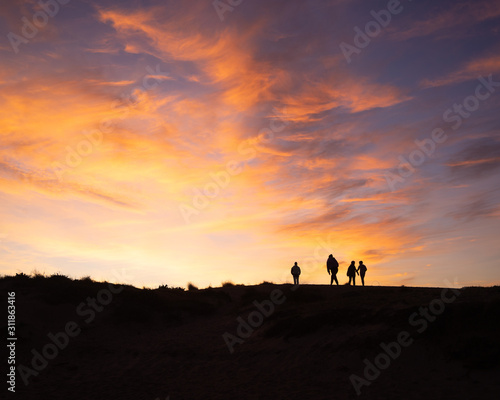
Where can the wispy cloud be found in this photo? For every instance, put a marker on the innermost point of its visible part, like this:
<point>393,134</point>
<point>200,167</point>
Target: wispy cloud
<point>440,19</point>
<point>470,71</point>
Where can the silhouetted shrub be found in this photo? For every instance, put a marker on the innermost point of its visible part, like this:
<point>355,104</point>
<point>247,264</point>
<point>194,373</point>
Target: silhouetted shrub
<point>192,287</point>
<point>37,274</point>
<point>227,284</point>
<point>22,275</point>
<point>60,277</point>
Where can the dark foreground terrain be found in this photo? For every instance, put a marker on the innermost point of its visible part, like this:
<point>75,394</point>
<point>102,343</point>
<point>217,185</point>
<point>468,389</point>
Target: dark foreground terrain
<point>79,340</point>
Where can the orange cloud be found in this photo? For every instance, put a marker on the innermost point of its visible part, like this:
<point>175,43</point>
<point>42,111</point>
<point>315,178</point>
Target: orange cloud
<point>462,14</point>
<point>470,71</point>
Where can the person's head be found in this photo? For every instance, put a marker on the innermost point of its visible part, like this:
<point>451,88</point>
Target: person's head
<point>330,256</point>
<point>361,262</point>
<point>353,262</point>
<point>295,263</point>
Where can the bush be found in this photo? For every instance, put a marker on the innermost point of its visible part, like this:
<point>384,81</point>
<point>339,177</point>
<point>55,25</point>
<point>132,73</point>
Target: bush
<point>37,274</point>
<point>227,284</point>
<point>191,287</point>
<point>59,276</point>
<point>166,287</point>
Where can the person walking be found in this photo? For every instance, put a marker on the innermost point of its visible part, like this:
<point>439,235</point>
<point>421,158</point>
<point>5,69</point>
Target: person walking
<point>295,273</point>
<point>351,273</point>
<point>362,271</point>
<point>332,266</point>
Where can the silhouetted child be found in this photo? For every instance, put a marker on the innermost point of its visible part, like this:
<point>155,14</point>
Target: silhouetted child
<point>332,266</point>
<point>295,273</point>
<point>351,273</point>
<point>362,271</point>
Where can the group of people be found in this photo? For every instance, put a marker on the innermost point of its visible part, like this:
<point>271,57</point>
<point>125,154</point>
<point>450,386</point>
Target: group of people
<point>332,266</point>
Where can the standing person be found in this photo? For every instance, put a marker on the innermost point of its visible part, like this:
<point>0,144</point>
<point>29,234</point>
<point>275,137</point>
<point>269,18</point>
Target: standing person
<point>362,271</point>
<point>295,273</point>
<point>351,273</point>
<point>332,266</point>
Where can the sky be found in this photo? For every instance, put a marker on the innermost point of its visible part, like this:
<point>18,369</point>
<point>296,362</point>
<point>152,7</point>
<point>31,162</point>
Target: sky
<point>166,142</point>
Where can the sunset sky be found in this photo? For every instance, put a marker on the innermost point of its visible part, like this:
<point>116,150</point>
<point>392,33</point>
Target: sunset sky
<point>166,142</point>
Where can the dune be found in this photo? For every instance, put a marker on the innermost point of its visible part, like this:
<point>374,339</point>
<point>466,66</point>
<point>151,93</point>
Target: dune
<point>253,342</point>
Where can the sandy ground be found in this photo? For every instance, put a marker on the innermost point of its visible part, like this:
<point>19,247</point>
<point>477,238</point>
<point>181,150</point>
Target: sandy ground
<point>159,344</point>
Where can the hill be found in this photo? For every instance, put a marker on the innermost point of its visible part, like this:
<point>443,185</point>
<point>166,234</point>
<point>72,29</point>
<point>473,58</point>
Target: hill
<point>87,340</point>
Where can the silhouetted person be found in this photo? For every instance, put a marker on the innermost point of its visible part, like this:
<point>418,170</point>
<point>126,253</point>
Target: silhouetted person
<point>351,273</point>
<point>362,271</point>
<point>332,266</point>
<point>295,273</point>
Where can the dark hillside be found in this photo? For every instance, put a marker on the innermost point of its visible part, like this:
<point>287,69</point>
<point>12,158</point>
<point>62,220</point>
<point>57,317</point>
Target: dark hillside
<point>253,342</point>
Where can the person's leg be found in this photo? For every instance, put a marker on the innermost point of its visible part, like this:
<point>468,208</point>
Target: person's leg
<point>354,280</point>
<point>336,281</point>
<point>331,280</point>
<point>363,279</point>
<point>350,278</point>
